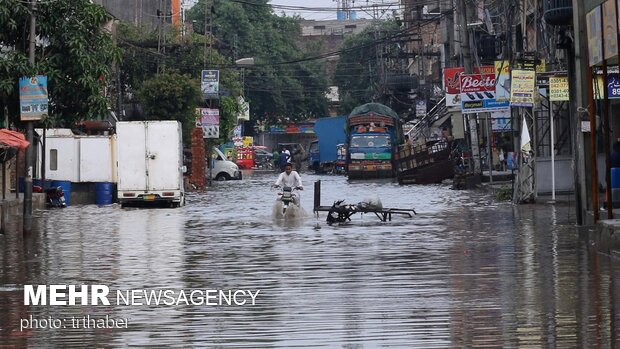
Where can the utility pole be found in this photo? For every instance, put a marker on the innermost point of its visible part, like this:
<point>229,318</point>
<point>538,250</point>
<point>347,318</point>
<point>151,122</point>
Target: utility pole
<point>208,49</point>
<point>467,65</point>
<point>30,131</point>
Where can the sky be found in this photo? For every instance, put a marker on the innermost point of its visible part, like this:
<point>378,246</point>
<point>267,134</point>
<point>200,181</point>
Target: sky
<point>316,15</point>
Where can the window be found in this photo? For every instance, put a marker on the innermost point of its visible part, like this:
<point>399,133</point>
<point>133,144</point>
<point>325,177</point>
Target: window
<point>53,159</point>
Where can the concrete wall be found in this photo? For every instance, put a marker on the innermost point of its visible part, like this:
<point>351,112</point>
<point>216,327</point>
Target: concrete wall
<point>564,179</point>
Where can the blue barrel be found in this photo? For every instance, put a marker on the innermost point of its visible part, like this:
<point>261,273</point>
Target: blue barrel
<point>44,184</point>
<point>66,188</point>
<point>21,184</point>
<point>615,177</point>
<point>103,193</point>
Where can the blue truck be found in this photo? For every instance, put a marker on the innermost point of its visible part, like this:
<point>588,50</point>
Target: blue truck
<point>323,153</point>
<point>374,132</point>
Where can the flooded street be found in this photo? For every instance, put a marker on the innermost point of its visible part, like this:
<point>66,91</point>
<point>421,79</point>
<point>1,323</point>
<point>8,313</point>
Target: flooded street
<point>465,272</point>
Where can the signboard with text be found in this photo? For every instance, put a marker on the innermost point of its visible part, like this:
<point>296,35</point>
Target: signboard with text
<point>209,121</point>
<point>33,99</point>
<point>452,84</point>
<point>522,88</point>
<point>478,93</point>
<point>210,83</point>
<point>558,88</point>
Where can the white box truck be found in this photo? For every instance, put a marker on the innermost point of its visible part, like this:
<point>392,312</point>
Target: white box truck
<point>150,162</point>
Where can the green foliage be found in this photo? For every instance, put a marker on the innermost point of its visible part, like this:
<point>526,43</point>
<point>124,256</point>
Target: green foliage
<point>171,96</point>
<point>228,117</point>
<point>141,61</point>
<point>357,73</point>
<point>503,194</point>
<point>77,56</point>
<point>292,91</point>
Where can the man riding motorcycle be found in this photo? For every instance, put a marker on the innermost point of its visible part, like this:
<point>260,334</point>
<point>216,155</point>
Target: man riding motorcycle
<point>290,178</point>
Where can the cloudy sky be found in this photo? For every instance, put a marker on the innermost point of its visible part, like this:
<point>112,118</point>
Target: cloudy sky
<point>318,15</point>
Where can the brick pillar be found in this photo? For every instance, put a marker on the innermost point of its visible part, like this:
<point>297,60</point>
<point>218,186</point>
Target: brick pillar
<point>198,177</point>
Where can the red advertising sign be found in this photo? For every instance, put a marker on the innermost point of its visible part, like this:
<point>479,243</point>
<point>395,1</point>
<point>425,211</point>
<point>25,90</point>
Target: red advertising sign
<point>452,82</point>
<point>478,83</point>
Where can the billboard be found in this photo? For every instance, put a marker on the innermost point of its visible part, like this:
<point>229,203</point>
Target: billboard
<point>478,92</point>
<point>210,83</point>
<point>209,121</point>
<point>452,86</point>
<point>523,88</point>
<point>33,100</point>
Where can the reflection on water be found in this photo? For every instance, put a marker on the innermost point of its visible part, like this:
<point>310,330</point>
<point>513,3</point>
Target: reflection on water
<point>465,272</point>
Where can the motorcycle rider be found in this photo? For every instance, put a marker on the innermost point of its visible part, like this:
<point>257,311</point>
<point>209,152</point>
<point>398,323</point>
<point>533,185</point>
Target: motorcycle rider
<point>290,178</point>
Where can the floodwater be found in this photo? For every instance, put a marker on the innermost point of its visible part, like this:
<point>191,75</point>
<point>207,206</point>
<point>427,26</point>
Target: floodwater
<point>465,272</point>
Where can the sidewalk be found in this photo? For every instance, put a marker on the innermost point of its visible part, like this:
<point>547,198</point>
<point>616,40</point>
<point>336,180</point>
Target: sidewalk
<point>11,209</point>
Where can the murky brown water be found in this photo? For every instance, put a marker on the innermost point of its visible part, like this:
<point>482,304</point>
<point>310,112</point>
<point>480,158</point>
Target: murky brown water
<point>465,272</point>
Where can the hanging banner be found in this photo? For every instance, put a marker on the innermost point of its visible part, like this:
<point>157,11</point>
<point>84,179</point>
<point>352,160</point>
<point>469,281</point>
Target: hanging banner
<point>502,76</point>
<point>452,86</point>
<point>610,29</point>
<point>244,109</point>
<point>595,42</point>
<point>558,88</point>
<point>210,83</point>
<point>33,99</point>
<point>526,145</point>
<point>209,121</point>
<point>522,88</point>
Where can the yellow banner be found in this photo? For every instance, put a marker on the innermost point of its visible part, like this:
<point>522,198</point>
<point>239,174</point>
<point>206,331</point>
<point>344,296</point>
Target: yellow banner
<point>522,88</point>
<point>558,88</point>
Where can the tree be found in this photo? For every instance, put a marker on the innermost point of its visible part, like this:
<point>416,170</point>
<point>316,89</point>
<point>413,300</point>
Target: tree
<point>357,72</point>
<point>171,96</point>
<point>284,84</point>
<point>77,56</point>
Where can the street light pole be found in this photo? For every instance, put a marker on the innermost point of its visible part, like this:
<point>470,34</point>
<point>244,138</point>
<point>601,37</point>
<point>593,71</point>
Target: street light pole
<point>30,133</point>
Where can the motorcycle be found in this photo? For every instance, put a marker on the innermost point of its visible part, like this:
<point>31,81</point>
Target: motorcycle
<point>287,197</point>
<point>55,197</point>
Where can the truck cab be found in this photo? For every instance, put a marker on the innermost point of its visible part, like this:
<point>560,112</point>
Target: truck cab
<point>314,157</point>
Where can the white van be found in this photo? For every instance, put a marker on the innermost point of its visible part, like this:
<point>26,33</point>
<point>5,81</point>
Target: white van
<point>223,169</point>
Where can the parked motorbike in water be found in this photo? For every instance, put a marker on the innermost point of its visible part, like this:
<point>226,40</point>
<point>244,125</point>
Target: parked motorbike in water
<point>55,197</point>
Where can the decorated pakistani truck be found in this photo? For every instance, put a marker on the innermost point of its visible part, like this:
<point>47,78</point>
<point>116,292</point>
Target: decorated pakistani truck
<point>374,132</point>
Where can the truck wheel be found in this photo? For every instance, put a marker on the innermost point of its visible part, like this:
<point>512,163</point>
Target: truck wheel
<point>222,177</point>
